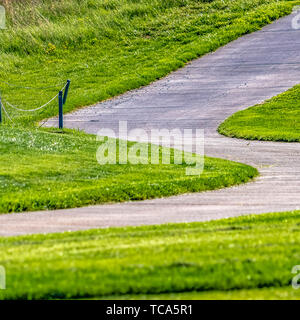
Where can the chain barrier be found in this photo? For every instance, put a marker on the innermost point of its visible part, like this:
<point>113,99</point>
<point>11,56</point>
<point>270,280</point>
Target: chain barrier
<point>36,109</point>
<point>62,100</point>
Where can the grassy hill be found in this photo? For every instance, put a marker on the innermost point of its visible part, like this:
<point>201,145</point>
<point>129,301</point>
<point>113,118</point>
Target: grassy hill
<point>107,47</point>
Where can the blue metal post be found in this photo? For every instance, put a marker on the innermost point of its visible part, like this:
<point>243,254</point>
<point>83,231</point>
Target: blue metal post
<point>60,113</point>
<point>66,91</point>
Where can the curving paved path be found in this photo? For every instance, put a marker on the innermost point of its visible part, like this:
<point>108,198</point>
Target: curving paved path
<point>201,95</point>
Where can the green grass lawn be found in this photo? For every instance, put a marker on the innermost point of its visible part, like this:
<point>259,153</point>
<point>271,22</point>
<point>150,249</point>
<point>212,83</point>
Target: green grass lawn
<point>275,120</point>
<point>245,257</point>
<point>44,170</point>
<point>272,293</point>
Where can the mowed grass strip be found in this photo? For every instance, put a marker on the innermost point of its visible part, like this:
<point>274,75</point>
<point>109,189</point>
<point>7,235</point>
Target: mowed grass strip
<point>48,170</point>
<point>267,293</point>
<point>251,252</point>
<point>277,119</point>
<point>108,47</point>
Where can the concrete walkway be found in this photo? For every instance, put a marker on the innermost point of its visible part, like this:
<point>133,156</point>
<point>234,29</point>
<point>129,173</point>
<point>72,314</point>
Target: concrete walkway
<point>201,95</point>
